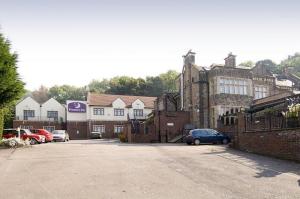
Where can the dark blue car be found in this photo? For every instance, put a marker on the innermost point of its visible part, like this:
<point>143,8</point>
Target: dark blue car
<point>198,136</point>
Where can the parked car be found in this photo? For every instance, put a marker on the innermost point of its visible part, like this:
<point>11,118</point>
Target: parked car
<point>44,132</point>
<point>60,135</point>
<point>95,135</point>
<point>25,134</point>
<point>198,136</point>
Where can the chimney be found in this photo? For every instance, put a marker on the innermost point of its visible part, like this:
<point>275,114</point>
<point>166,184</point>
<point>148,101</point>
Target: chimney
<point>189,58</point>
<point>230,61</point>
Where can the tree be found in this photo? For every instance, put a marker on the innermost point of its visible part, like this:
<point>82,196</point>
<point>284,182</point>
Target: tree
<point>125,85</point>
<point>271,66</point>
<point>67,92</point>
<point>168,80</point>
<point>98,86</point>
<point>41,95</point>
<point>293,63</point>
<point>248,64</point>
<point>11,86</point>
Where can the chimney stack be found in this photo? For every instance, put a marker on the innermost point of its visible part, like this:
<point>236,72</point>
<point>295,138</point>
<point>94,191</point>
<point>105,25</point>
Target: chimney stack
<point>189,58</point>
<point>230,60</point>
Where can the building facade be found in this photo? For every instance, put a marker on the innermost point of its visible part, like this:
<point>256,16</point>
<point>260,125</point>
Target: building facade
<point>107,114</point>
<point>210,92</point>
<point>49,115</point>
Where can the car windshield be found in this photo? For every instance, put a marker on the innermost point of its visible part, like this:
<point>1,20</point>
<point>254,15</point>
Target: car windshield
<point>58,132</point>
<point>26,131</point>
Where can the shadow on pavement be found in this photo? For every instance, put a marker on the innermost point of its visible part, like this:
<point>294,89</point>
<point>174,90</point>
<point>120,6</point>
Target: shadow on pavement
<point>267,166</point>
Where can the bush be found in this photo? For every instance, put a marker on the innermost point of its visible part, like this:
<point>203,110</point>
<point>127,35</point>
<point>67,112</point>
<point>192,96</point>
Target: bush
<point>14,143</point>
<point>122,137</point>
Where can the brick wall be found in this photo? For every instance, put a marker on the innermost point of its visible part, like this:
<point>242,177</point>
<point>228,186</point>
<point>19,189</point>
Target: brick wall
<point>179,119</point>
<point>81,129</point>
<point>148,136</point>
<point>283,143</point>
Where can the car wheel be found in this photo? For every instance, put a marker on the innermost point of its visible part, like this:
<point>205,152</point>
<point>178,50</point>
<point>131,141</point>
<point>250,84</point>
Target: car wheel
<point>33,141</point>
<point>225,141</point>
<point>196,141</point>
<point>65,140</point>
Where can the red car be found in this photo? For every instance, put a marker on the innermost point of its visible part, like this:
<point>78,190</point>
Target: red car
<point>25,134</point>
<point>47,134</point>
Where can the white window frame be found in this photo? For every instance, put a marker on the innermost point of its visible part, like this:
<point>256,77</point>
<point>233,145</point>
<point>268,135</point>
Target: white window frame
<point>98,111</point>
<point>99,128</point>
<point>233,86</point>
<point>119,112</point>
<point>260,91</point>
<point>138,112</point>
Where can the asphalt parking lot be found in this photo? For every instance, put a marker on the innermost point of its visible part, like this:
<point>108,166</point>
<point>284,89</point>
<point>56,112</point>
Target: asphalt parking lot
<point>108,169</point>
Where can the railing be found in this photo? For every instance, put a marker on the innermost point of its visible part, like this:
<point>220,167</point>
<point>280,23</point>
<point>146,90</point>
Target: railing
<point>39,118</point>
<point>270,122</point>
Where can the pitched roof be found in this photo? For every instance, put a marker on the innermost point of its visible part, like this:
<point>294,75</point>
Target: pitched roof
<point>96,99</point>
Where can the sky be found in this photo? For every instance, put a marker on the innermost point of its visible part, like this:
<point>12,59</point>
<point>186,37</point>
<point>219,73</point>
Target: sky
<point>73,42</point>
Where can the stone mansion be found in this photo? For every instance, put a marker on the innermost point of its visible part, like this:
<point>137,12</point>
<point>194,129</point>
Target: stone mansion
<point>208,92</point>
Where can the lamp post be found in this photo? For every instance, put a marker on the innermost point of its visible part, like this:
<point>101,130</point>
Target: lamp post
<point>19,136</point>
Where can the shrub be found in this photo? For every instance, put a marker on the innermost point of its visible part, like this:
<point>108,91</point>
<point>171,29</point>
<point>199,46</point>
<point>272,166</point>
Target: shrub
<point>122,137</point>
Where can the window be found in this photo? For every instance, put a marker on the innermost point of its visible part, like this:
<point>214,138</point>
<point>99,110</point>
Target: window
<point>49,128</point>
<point>52,114</point>
<point>260,92</point>
<point>118,128</point>
<point>25,127</point>
<point>99,128</point>
<point>28,113</point>
<point>233,86</point>
<point>138,112</point>
<point>118,112</point>
<point>98,111</point>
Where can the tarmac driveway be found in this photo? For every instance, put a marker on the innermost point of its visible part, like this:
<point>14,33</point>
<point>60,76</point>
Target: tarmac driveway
<point>108,169</point>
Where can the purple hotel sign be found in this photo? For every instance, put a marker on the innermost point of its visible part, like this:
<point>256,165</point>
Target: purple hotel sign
<point>76,107</point>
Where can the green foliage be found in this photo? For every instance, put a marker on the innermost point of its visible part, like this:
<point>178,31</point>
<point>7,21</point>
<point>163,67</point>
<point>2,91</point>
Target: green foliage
<point>293,111</point>
<point>122,137</point>
<point>1,122</point>
<point>168,80</point>
<point>124,85</point>
<point>271,66</point>
<point>65,92</point>
<point>11,86</point>
<point>99,86</point>
<point>249,64</point>
<point>292,62</point>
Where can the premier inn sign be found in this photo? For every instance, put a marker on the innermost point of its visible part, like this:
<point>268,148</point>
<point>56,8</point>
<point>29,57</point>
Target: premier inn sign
<point>77,107</point>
